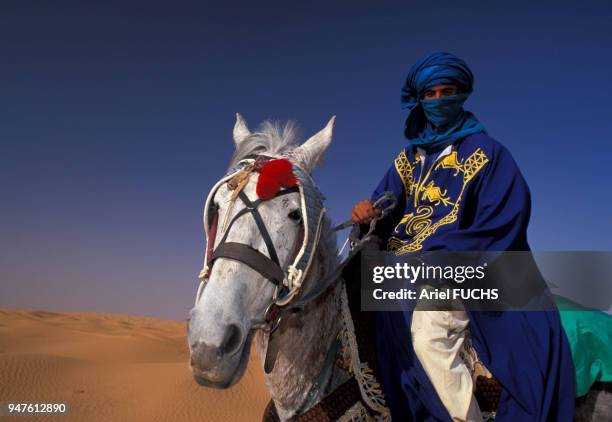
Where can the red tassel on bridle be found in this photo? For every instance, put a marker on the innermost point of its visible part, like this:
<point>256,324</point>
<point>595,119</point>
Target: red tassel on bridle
<point>273,175</point>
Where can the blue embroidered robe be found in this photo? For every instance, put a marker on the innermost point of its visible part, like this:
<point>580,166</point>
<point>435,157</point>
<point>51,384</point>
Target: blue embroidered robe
<point>473,199</point>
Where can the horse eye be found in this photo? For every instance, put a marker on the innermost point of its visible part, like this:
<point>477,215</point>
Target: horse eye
<point>295,215</point>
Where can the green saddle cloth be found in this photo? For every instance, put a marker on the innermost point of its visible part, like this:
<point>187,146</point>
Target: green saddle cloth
<point>590,336</point>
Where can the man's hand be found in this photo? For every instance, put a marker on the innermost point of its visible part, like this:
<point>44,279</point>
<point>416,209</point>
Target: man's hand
<point>364,212</point>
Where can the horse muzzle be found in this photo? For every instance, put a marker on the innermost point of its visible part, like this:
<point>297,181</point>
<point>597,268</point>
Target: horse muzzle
<point>215,355</point>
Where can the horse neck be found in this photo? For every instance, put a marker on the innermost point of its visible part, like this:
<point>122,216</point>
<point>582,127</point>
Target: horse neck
<point>304,340</point>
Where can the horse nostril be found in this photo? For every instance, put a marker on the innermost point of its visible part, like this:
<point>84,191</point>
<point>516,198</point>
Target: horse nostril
<point>233,340</point>
<point>203,355</point>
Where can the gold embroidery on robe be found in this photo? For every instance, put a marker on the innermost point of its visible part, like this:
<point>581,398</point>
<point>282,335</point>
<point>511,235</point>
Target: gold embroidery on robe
<point>421,227</point>
<point>405,171</point>
<point>433,193</point>
<point>450,162</point>
<point>413,224</point>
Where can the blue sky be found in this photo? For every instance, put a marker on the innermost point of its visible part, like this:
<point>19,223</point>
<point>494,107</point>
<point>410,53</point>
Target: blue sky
<point>116,118</point>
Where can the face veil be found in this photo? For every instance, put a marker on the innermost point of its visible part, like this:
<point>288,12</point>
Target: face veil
<point>434,124</point>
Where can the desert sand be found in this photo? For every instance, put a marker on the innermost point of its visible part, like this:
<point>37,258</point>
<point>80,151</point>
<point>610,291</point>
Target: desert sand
<point>111,367</point>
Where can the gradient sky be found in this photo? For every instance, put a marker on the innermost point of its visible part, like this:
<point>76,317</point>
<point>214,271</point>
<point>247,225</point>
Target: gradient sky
<point>116,118</point>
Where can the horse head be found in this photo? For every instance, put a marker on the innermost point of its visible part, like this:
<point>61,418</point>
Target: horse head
<point>255,224</point>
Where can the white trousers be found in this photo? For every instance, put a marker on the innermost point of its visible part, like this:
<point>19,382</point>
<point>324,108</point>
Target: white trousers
<point>439,338</point>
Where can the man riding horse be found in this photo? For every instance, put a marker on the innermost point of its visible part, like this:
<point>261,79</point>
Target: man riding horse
<point>460,190</point>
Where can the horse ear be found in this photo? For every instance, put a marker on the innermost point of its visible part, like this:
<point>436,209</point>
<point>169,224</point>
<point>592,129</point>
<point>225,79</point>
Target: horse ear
<point>241,131</point>
<point>311,152</point>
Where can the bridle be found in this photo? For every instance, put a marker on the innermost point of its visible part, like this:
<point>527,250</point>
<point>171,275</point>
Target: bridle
<point>287,280</point>
<point>287,297</point>
<point>269,267</point>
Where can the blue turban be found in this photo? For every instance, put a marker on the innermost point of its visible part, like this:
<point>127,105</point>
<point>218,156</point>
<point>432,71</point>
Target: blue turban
<point>438,68</point>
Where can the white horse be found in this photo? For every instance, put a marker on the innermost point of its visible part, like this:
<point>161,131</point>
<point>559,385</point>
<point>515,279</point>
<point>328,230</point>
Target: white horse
<point>222,324</point>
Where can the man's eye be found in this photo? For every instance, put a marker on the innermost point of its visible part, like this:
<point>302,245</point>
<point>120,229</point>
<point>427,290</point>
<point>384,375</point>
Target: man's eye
<point>295,215</point>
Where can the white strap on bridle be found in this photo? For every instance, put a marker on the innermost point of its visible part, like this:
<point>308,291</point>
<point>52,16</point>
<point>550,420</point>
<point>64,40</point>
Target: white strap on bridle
<point>295,276</point>
<point>203,274</point>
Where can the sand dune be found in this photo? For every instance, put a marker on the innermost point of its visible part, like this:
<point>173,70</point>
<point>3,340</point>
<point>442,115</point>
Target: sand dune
<point>114,368</point>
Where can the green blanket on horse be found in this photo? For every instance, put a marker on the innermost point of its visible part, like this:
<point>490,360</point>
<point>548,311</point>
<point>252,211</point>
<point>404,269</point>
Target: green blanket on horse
<point>590,336</point>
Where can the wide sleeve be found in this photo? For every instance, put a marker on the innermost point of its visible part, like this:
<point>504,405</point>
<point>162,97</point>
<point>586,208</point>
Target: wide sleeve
<point>390,182</point>
<point>496,210</point>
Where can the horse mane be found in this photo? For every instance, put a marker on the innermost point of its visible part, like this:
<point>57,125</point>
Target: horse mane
<point>271,138</point>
